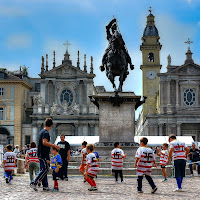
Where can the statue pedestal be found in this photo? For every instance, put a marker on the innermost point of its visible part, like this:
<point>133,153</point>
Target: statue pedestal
<point>116,121</point>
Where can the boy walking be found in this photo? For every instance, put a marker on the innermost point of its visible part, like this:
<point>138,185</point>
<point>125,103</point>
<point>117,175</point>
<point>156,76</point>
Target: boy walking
<point>32,161</point>
<point>56,165</point>
<point>43,155</point>
<point>91,168</point>
<point>117,156</point>
<point>163,159</point>
<point>179,151</point>
<point>144,161</point>
<point>9,163</point>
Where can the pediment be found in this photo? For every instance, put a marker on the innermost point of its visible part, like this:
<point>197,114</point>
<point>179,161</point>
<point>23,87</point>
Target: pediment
<point>187,69</point>
<point>65,70</point>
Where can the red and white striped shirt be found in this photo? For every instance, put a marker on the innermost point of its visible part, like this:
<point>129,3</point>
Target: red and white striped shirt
<point>179,149</point>
<point>146,159</point>
<point>10,158</point>
<point>163,157</point>
<point>117,159</point>
<point>84,152</point>
<point>93,165</point>
<point>32,155</point>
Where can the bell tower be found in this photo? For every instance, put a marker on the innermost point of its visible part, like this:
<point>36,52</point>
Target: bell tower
<point>150,67</point>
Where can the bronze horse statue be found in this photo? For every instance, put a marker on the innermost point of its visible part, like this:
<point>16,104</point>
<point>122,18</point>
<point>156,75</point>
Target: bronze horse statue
<point>116,57</point>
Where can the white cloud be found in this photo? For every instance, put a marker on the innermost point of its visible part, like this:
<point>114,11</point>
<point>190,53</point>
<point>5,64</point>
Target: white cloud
<point>189,1</point>
<point>19,41</point>
<point>12,11</point>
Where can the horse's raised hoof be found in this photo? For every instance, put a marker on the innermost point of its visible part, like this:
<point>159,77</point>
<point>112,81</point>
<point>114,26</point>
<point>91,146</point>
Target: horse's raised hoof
<point>102,68</point>
<point>132,67</point>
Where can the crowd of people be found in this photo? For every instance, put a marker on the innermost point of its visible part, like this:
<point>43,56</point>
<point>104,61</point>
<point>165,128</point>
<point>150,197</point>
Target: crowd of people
<point>37,159</point>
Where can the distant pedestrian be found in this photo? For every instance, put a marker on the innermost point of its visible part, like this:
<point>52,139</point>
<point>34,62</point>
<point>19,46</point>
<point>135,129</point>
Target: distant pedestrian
<point>65,155</point>
<point>117,156</point>
<point>84,158</point>
<point>9,163</point>
<point>179,151</point>
<point>91,168</point>
<point>32,161</point>
<point>194,157</point>
<point>163,159</point>
<point>56,166</point>
<point>43,155</point>
<point>144,161</point>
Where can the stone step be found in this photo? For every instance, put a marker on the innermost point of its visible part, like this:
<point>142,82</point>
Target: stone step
<point>126,171</point>
<point>106,164</point>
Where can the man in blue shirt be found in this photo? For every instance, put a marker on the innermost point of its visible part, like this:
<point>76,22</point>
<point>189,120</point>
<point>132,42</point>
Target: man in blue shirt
<point>43,155</point>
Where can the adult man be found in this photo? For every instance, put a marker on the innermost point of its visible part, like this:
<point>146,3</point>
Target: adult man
<point>65,155</point>
<point>43,155</point>
<point>180,151</point>
<point>194,157</point>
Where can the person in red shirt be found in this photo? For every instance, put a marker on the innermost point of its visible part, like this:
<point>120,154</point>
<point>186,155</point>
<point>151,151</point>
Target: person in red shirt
<point>32,161</point>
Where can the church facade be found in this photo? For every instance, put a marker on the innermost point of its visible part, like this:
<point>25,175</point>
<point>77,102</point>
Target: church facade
<point>63,96</point>
<point>173,104</point>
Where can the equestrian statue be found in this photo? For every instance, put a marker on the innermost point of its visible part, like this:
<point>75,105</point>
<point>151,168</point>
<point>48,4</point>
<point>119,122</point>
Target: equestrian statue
<point>116,57</point>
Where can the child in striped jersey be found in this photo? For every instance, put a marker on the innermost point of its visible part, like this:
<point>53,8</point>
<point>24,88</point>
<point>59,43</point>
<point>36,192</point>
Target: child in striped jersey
<point>9,163</point>
<point>91,168</point>
<point>163,159</point>
<point>32,161</point>
<point>84,158</point>
<point>117,156</point>
<point>144,161</point>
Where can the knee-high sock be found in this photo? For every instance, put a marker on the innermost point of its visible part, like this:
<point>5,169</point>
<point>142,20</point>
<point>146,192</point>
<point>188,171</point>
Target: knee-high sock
<point>94,183</point>
<point>90,181</point>
<point>178,180</point>
<point>55,184</point>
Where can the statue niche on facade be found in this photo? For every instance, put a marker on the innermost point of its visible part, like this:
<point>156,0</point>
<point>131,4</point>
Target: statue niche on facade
<point>116,57</point>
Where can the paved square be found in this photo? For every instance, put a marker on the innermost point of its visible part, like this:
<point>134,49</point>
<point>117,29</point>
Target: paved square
<point>75,189</point>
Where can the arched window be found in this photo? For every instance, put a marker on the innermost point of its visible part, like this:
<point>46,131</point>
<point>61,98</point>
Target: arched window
<point>151,57</point>
<point>189,97</point>
<point>66,95</point>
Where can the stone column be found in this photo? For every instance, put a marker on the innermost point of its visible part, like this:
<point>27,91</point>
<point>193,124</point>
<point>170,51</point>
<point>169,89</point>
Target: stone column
<point>96,129</point>
<point>169,111</point>
<point>76,129</point>
<point>177,94</point>
<point>53,133</point>
<point>85,129</point>
<point>160,129</point>
<point>80,131</point>
<point>92,131</point>
<point>169,129</point>
<point>178,126</point>
<point>161,94</point>
<point>156,130</point>
<point>34,133</point>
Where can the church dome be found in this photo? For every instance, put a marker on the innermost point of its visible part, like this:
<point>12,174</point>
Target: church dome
<point>150,30</point>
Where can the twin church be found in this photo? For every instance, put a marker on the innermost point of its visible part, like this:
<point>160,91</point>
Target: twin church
<point>173,104</point>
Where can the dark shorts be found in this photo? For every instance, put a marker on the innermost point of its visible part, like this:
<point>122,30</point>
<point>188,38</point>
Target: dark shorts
<point>56,176</point>
<point>162,166</point>
<point>179,166</point>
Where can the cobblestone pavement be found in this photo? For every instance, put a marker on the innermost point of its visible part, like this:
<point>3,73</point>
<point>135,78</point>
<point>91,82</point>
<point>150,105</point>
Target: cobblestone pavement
<point>75,189</point>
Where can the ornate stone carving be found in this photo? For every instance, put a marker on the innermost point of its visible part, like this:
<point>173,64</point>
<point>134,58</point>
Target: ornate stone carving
<point>37,100</point>
<point>76,109</point>
<point>189,70</point>
<point>54,109</point>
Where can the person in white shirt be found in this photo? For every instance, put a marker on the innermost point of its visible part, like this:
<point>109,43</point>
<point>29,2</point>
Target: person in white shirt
<point>179,151</point>
<point>117,156</point>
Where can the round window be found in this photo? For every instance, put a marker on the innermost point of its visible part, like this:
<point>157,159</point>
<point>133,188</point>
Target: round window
<point>66,95</point>
<point>189,97</point>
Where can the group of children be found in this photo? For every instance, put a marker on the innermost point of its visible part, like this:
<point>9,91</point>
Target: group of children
<point>145,159</point>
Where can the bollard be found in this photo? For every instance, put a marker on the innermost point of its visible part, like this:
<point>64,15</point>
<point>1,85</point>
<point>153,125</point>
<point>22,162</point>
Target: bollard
<point>20,165</point>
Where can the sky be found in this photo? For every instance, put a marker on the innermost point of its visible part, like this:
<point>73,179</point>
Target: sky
<point>31,29</point>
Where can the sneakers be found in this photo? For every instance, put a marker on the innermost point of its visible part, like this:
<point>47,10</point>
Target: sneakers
<point>93,188</point>
<point>178,190</point>
<point>116,182</point>
<point>7,181</point>
<point>140,191</point>
<point>154,190</point>
<point>32,185</point>
<point>123,182</point>
<point>164,180</point>
<point>39,184</point>
<point>46,189</point>
<point>66,179</point>
<point>191,175</point>
<point>54,190</point>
